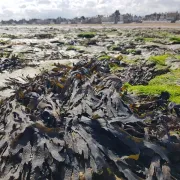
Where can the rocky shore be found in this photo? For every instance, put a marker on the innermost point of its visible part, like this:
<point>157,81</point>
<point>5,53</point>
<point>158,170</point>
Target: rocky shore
<point>89,103</point>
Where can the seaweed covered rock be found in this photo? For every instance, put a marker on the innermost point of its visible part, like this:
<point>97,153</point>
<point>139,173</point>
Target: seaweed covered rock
<point>72,123</point>
<point>10,63</point>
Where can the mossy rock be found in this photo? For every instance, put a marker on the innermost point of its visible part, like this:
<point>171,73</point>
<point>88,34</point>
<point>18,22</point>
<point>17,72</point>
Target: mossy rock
<point>59,43</point>
<point>44,36</point>
<point>119,57</point>
<point>160,59</point>
<point>87,35</point>
<point>175,40</point>
<point>72,48</point>
<point>145,39</point>
<point>149,39</point>
<point>91,42</point>
<point>134,51</point>
<point>11,36</point>
<point>166,82</point>
<point>159,69</point>
<point>139,39</point>
<point>81,51</point>
<point>115,48</point>
<point>4,42</point>
<point>151,90</point>
<point>130,61</point>
<point>115,68</point>
<point>169,78</point>
<point>104,57</point>
<point>5,54</point>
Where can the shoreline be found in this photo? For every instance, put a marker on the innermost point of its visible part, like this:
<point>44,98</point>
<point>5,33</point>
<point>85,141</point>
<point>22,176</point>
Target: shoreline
<point>126,25</point>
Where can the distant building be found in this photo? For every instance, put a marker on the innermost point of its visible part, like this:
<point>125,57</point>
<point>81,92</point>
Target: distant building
<point>151,17</point>
<point>121,19</point>
<point>95,20</point>
<point>172,16</point>
<point>115,18</point>
<point>162,17</point>
<point>127,18</point>
<point>91,20</point>
<point>137,19</point>
<point>64,22</point>
<point>107,20</point>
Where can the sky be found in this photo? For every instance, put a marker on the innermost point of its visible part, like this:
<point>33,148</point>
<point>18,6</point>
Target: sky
<point>18,9</point>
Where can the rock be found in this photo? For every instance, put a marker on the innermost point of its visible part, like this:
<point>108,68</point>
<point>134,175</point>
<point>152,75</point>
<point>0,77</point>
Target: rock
<point>119,57</point>
<point>44,36</point>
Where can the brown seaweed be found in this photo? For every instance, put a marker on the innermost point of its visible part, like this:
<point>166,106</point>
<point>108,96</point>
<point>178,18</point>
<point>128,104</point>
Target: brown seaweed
<point>59,125</point>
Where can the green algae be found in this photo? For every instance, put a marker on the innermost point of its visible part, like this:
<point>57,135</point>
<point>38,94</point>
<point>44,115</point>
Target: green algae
<point>152,90</point>
<point>115,68</point>
<point>177,57</point>
<point>104,57</point>
<point>72,48</point>
<point>175,39</point>
<point>160,59</point>
<point>87,35</point>
<point>149,39</point>
<point>166,82</point>
<point>114,48</point>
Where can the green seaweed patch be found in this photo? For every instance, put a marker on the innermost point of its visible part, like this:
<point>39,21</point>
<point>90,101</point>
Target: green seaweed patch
<point>134,51</point>
<point>149,39</point>
<point>114,48</point>
<point>166,82</point>
<point>163,34</point>
<point>161,69</point>
<point>4,42</point>
<point>109,171</point>
<point>20,55</point>
<point>115,68</point>
<point>5,54</point>
<point>161,59</point>
<point>152,90</point>
<point>104,57</point>
<point>73,48</point>
<point>129,61</point>
<point>87,35</point>
<point>11,36</point>
<point>119,57</point>
<point>175,39</point>
<point>172,133</point>
<point>113,33</point>
<point>177,57</point>
<point>170,78</point>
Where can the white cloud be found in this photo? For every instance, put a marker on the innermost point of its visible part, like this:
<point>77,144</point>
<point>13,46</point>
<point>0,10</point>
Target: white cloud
<point>17,9</point>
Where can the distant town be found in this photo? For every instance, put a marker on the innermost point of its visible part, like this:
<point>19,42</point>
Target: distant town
<point>115,18</point>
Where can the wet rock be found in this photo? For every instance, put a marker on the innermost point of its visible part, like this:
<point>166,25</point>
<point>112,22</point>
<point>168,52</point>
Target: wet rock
<point>44,36</point>
<point>59,43</point>
<point>174,63</point>
<point>91,42</point>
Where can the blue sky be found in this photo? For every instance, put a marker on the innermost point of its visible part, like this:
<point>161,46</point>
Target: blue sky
<point>18,9</point>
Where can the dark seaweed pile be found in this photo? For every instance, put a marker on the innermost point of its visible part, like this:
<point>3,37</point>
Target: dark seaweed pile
<point>78,123</point>
<point>10,64</point>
